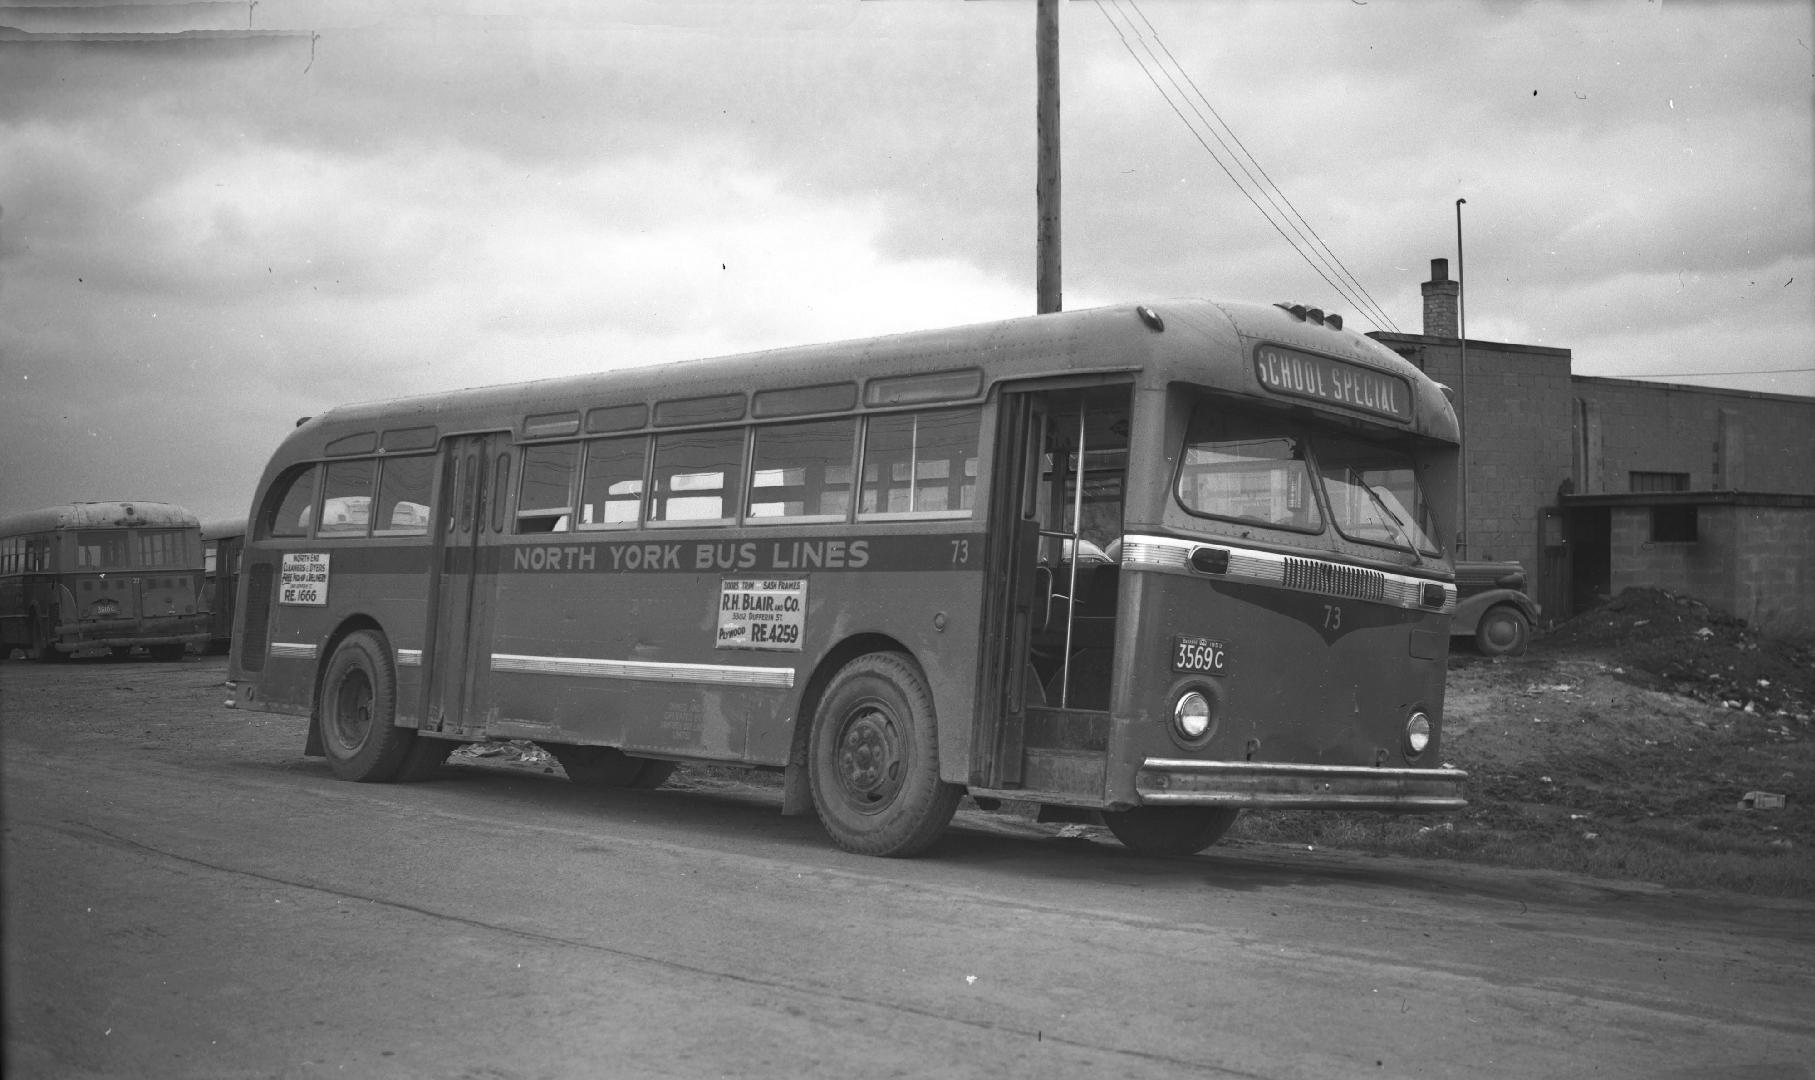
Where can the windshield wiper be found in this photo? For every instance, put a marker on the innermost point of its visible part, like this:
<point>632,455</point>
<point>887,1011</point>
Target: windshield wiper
<point>1392,519</point>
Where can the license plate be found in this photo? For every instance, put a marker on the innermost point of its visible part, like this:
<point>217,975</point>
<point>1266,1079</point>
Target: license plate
<point>1200,655</point>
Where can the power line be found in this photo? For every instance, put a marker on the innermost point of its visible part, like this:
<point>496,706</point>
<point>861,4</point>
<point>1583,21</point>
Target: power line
<point>1706,374</point>
<point>1354,293</point>
<point>1374,308</point>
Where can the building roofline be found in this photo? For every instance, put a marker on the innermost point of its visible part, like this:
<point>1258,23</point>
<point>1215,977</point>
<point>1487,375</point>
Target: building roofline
<point>1390,338</point>
<point>1658,384</point>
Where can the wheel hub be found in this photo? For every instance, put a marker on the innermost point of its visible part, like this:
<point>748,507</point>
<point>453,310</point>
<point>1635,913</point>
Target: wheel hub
<point>870,757</point>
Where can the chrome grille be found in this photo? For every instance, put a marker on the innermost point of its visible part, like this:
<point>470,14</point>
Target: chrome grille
<point>1333,580</point>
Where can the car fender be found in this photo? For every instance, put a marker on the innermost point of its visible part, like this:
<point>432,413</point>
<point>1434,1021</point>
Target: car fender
<point>1469,609</point>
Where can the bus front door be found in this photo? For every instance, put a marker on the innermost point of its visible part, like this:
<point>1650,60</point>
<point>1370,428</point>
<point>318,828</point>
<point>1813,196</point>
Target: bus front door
<point>475,475</point>
<point>1062,454</point>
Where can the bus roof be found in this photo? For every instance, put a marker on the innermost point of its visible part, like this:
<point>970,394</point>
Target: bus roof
<point>215,528</point>
<point>98,515</point>
<point>1202,342</point>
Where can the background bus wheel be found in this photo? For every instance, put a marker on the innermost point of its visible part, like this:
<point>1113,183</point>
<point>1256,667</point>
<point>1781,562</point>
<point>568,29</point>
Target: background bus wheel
<point>1170,830</point>
<point>874,760</point>
<point>166,653</point>
<point>358,711</point>
<point>1503,631</point>
<point>42,650</point>
<point>607,766</point>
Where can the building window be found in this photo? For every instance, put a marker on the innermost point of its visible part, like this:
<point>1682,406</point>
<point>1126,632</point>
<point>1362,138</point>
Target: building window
<point>1658,481</point>
<point>1673,525</point>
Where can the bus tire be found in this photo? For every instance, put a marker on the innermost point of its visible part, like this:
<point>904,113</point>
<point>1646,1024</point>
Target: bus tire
<point>167,653</point>
<point>1503,631</point>
<point>607,766</point>
<point>1170,830</point>
<point>874,759</point>
<point>43,650</point>
<point>359,733</point>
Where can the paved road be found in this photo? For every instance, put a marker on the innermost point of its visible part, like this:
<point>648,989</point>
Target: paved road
<point>186,896</point>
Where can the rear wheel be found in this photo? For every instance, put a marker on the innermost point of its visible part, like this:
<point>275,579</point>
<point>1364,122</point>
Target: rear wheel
<point>1170,830</point>
<point>358,713</point>
<point>874,759</point>
<point>607,766</point>
<point>1503,631</point>
<point>167,653</point>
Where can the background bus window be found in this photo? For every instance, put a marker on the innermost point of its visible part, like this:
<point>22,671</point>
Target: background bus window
<point>346,499</point>
<point>545,498</point>
<point>920,463</point>
<point>802,471</point>
<point>403,496</point>
<point>290,504</point>
<point>160,550</point>
<point>693,476</point>
<point>611,487</point>
<point>101,550</point>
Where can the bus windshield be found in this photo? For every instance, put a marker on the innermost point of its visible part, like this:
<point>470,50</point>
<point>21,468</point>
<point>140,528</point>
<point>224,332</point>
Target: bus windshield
<point>1259,469</point>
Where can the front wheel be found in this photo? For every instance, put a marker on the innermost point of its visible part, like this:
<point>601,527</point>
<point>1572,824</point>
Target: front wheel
<point>874,759</point>
<point>1503,631</point>
<point>1170,830</point>
<point>358,711</point>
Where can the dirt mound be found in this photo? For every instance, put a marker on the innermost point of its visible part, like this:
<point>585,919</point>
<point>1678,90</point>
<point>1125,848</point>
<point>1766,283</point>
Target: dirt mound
<point>1682,645</point>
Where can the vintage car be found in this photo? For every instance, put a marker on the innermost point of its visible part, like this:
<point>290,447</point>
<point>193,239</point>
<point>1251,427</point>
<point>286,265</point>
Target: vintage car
<point>1492,607</point>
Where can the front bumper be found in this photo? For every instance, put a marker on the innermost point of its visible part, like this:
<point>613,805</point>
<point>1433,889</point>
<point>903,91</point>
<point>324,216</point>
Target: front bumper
<point>122,633</point>
<point>1281,786</point>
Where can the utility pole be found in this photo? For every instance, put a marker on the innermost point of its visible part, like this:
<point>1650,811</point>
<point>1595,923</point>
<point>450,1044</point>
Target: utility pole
<point>1046,170</point>
<point>1462,371</point>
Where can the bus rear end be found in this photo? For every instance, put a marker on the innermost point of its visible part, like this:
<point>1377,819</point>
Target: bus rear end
<point>132,579</point>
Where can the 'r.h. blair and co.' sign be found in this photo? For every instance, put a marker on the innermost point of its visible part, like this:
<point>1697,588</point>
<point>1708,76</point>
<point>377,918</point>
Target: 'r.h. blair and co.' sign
<point>1334,382</point>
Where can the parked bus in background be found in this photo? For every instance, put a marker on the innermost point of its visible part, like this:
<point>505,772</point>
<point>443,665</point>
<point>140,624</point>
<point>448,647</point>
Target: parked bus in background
<point>852,563</point>
<point>222,542</point>
<point>102,576</point>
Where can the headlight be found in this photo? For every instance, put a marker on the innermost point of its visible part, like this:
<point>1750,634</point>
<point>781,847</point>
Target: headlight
<point>1417,734</point>
<point>1191,715</point>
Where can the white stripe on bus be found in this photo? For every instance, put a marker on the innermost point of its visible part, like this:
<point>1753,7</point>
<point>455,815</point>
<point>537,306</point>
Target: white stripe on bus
<point>646,670</point>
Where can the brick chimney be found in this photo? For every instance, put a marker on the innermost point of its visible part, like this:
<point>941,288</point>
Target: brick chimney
<point>1442,302</point>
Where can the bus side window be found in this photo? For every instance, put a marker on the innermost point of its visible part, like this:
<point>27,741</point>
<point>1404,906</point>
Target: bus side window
<point>545,496</point>
<point>697,474</point>
<point>802,471</point>
<point>611,488</point>
<point>346,498</point>
<point>403,496</point>
<point>920,463</point>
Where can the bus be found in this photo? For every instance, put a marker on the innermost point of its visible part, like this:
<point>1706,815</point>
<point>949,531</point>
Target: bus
<point>221,544</point>
<point>1152,564</point>
<point>93,576</point>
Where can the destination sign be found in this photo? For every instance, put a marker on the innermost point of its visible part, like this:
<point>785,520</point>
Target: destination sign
<point>1335,382</point>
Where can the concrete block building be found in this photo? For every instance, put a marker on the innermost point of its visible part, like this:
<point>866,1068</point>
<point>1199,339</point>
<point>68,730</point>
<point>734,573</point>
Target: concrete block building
<point>1597,485</point>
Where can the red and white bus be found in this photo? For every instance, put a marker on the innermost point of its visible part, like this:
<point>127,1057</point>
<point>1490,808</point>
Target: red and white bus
<point>853,563</point>
<point>101,576</point>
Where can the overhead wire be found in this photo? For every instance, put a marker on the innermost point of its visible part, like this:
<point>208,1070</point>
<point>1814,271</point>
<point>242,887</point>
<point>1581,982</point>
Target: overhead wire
<point>1344,282</point>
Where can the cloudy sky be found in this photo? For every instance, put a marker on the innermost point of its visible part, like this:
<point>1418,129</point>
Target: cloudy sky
<point>206,235</point>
